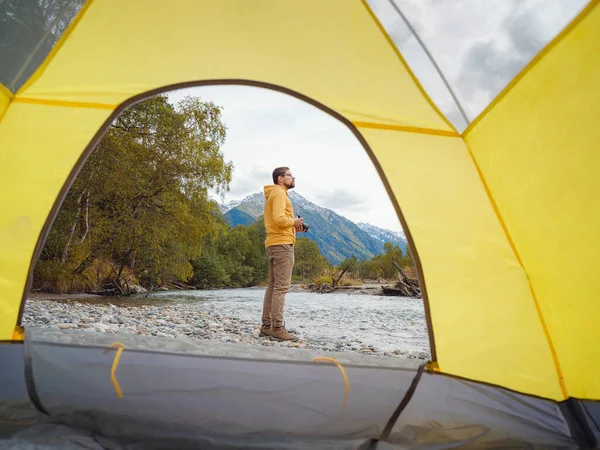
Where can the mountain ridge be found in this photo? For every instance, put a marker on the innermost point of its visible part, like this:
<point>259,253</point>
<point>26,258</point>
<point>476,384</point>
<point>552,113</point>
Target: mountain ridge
<point>337,237</point>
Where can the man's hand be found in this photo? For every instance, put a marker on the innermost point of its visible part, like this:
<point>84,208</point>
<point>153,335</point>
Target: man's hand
<point>298,224</point>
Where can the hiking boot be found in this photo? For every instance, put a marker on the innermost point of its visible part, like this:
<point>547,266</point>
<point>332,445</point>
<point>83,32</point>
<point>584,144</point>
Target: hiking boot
<point>265,331</point>
<point>281,334</point>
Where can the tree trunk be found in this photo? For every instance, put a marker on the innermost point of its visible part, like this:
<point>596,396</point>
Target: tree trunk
<point>92,256</point>
<point>395,264</point>
<point>405,286</point>
<point>87,217</point>
<point>65,252</point>
<point>337,279</point>
<point>139,200</point>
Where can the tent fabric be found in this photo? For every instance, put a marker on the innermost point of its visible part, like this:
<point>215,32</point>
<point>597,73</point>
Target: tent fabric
<point>537,149</point>
<point>592,414</point>
<point>489,213</point>
<point>493,292</point>
<point>5,98</point>
<point>16,410</point>
<point>30,30</point>
<point>336,62</point>
<point>49,436</point>
<point>30,181</point>
<point>189,388</point>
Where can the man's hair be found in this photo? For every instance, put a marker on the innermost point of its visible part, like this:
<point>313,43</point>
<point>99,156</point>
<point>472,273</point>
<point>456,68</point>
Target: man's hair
<point>279,172</point>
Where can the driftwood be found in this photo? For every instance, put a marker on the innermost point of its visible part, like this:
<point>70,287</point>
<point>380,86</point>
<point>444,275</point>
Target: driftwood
<point>337,279</point>
<point>404,287</point>
<point>325,288</point>
<point>322,288</point>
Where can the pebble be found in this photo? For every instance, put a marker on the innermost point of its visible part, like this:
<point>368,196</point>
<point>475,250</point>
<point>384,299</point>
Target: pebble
<point>185,321</point>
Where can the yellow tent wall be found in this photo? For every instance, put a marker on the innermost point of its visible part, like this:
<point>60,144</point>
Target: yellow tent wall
<point>5,97</point>
<point>538,150</point>
<point>485,321</point>
<point>483,317</point>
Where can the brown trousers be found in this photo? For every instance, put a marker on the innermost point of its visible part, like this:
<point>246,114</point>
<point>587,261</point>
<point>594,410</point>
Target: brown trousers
<point>281,264</point>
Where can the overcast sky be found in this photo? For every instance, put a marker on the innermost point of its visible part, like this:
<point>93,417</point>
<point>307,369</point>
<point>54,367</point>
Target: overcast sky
<point>479,45</point>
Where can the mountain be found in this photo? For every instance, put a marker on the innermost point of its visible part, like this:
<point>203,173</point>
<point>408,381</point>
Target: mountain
<point>383,235</point>
<point>237,217</point>
<point>337,237</point>
<point>252,205</point>
<point>228,206</point>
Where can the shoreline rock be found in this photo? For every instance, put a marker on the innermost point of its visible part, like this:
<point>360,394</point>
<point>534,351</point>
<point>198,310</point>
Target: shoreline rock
<point>112,291</point>
<point>189,321</point>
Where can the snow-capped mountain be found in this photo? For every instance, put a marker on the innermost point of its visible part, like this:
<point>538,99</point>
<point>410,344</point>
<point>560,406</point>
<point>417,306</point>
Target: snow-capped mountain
<point>383,235</point>
<point>228,206</point>
<point>337,237</point>
<point>253,204</point>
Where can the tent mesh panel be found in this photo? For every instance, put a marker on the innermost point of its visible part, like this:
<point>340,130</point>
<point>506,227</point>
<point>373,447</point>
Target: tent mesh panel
<point>29,29</point>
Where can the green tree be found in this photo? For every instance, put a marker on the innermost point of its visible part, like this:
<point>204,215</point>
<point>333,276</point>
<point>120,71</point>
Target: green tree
<point>392,252</point>
<point>232,257</point>
<point>350,264</point>
<point>141,201</point>
<point>210,267</point>
<point>368,269</point>
<point>257,257</point>
<point>309,262</point>
<point>381,265</point>
<point>236,247</point>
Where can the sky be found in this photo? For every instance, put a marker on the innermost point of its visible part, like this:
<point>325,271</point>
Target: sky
<point>479,46</point>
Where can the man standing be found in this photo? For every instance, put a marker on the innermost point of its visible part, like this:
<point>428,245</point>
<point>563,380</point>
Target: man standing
<point>281,229</point>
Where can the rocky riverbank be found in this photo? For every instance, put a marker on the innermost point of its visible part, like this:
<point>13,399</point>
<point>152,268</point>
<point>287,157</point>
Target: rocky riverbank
<point>177,321</point>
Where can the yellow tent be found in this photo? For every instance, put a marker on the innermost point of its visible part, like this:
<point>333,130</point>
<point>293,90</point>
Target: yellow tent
<point>514,190</point>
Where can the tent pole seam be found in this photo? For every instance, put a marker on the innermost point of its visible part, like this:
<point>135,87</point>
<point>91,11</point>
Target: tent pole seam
<point>385,434</point>
<point>433,61</point>
<point>30,381</point>
<point>582,14</point>
<point>49,102</point>
<point>408,129</point>
<point>3,114</point>
<point>555,359</point>
<point>6,91</point>
<point>406,66</point>
<point>574,414</point>
<point>359,124</point>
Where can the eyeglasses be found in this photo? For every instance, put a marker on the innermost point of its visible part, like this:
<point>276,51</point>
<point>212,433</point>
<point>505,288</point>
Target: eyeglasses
<point>288,175</point>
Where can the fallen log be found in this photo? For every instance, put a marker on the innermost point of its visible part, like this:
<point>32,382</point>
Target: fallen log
<point>400,291</point>
<point>323,288</point>
<point>404,287</point>
<point>337,279</point>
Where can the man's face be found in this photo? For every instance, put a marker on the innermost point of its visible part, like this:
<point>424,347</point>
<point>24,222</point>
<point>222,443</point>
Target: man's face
<point>288,180</point>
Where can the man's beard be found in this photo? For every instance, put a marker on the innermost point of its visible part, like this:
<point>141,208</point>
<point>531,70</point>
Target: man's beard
<point>292,185</point>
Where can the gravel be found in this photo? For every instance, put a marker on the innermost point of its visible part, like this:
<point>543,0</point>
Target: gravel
<point>364,324</point>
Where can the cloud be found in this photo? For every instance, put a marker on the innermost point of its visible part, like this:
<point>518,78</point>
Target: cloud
<point>480,46</point>
<point>338,199</point>
<point>487,69</point>
<point>268,129</point>
<point>525,34</point>
<point>248,180</point>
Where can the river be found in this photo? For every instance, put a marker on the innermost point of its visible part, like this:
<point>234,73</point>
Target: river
<point>393,326</point>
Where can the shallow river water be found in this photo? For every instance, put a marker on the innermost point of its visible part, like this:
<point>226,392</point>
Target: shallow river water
<point>393,326</point>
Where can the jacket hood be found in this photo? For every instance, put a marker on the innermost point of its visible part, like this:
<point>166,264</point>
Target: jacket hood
<point>270,188</point>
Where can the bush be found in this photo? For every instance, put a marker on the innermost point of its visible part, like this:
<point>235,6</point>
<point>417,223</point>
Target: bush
<point>52,276</point>
<point>323,279</point>
<point>348,281</point>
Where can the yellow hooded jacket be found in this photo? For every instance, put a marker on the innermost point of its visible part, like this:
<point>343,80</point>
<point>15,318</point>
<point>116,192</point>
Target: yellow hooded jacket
<point>279,216</point>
